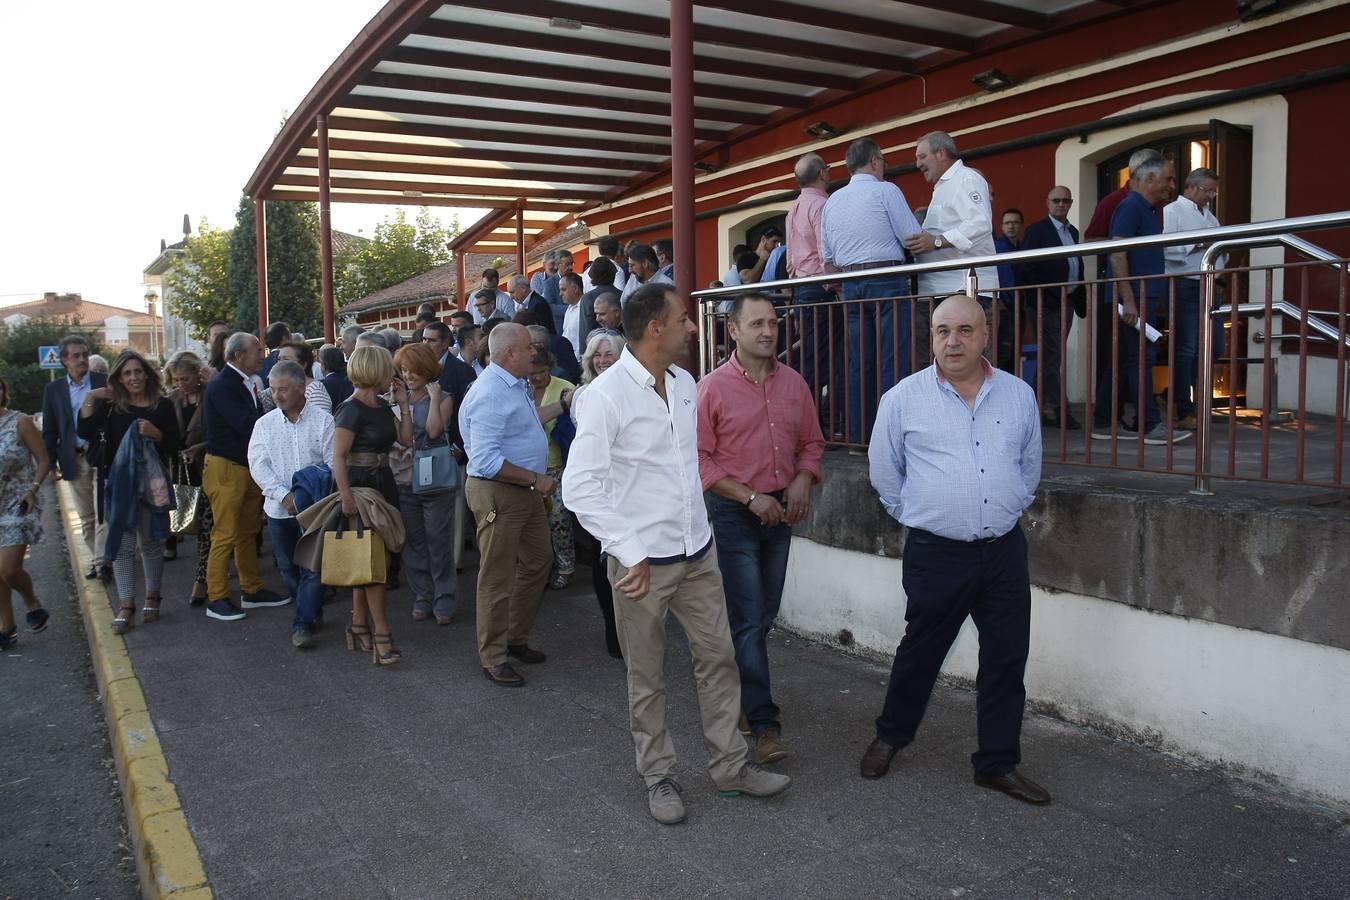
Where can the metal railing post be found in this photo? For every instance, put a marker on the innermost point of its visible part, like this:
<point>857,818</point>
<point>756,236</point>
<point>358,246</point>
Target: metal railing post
<point>1204,386</point>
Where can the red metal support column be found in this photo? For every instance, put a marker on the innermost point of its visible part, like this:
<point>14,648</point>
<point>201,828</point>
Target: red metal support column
<point>682,143</point>
<point>260,223</point>
<point>520,239</point>
<point>461,299</point>
<point>326,235</point>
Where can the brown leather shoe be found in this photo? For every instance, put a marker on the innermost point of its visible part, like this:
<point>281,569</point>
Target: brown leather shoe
<point>877,760</point>
<point>769,747</point>
<point>525,653</point>
<point>503,675</point>
<point>1014,784</point>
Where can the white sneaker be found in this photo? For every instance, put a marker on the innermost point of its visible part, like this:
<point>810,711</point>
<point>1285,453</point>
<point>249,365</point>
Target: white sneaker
<point>756,782</point>
<point>664,803</point>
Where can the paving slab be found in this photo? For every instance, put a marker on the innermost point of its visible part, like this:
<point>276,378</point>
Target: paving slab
<point>316,774</point>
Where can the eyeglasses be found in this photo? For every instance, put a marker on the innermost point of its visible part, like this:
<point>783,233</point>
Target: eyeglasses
<point>1058,200</point>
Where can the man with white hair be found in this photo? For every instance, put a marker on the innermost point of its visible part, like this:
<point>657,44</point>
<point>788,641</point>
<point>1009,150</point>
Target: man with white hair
<point>508,481</point>
<point>231,405</point>
<point>527,298</point>
<point>291,437</point>
<point>959,223</point>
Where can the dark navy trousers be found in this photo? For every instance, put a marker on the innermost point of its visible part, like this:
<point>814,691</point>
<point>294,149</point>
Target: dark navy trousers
<point>945,581</point>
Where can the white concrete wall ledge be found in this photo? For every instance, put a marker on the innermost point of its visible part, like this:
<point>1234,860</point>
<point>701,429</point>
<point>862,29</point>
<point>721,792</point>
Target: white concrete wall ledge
<point>1275,707</point>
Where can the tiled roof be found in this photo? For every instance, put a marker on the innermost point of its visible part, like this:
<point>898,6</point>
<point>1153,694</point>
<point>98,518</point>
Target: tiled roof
<point>439,283</point>
<point>88,312</point>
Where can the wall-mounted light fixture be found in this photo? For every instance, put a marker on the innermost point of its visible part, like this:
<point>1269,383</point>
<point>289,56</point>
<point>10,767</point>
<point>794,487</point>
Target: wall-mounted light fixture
<point>566,24</point>
<point>823,130</point>
<point>993,80</point>
<point>705,168</point>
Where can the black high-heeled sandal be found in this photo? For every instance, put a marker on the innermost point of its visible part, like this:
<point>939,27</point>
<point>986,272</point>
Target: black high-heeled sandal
<point>358,638</point>
<point>389,657</point>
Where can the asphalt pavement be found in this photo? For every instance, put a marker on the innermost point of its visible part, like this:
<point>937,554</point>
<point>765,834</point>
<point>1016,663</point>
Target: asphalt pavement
<point>62,825</point>
<point>316,774</point>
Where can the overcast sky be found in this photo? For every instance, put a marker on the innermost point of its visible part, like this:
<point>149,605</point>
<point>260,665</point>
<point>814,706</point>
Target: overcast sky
<point>121,117</point>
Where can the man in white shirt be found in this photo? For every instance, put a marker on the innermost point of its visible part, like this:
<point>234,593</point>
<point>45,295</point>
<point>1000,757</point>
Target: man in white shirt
<point>569,286</point>
<point>632,479</point>
<point>504,306</point>
<point>1191,211</point>
<point>959,223</point>
<point>291,437</point>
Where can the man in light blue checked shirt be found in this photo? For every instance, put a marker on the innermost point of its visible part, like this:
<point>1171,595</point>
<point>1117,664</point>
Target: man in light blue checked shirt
<point>956,457</point>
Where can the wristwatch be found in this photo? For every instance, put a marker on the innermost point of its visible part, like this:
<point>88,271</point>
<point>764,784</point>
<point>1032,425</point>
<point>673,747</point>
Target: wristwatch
<point>536,481</point>
<point>937,242</point>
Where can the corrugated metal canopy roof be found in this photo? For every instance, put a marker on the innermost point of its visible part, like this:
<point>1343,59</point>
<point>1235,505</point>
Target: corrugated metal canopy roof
<point>555,107</point>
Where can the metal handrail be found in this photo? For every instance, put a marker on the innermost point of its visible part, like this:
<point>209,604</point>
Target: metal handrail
<point>1284,306</point>
<point>1276,231</point>
<point>1204,447</point>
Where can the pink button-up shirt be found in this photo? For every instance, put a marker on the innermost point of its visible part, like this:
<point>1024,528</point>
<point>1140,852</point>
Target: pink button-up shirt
<point>803,235</point>
<point>760,435</point>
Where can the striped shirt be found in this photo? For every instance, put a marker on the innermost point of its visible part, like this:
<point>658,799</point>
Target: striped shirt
<point>961,474</point>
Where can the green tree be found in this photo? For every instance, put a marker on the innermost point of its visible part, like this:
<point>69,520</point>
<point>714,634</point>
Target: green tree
<point>199,281</point>
<point>19,357</point>
<point>293,280</point>
<point>398,251</point>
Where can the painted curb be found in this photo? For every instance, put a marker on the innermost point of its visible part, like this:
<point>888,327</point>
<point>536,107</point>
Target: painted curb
<point>167,860</point>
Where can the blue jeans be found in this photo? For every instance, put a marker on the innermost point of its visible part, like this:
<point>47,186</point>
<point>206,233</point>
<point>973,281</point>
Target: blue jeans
<point>872,357</point>
<point>753,560</point>
<point>1186,332</point>
<point>1127,360</point>
<point>302,584</point>
<point>817,338</point>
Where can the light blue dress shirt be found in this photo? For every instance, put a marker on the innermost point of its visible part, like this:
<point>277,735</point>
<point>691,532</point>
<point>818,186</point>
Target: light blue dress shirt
<point>499,423</point>
<point>77,394</point>
<point>865,221</point>
<point>961,474</point>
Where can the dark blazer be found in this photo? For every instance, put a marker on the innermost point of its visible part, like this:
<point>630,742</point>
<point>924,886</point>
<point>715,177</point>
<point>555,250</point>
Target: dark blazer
<point>1038,236</point>
<point>456,376</point>
<point>588,323</point>
<point>230,410</point>
<point>536,302</point>
<point>58,421</point>
<point>338,387</point>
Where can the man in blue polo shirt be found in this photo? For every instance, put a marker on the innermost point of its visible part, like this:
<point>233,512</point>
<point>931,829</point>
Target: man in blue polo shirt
<point>1142,297</point>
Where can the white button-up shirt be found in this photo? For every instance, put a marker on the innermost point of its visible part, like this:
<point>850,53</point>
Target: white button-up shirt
<point>279,448</point>
<point>632,474</point>
<point>959,211</point>
<point>1183,215</point>
<point>572,328</point>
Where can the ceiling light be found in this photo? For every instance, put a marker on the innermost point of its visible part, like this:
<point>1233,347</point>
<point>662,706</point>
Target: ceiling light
<point>568,24</point>
<point>823,130</point>
<point>993,80</point>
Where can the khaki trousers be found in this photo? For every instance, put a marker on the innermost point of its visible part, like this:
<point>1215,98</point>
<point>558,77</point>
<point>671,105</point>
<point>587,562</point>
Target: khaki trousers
<point>236,505</point>
<point>82,486</point>
<point>692,590</point>
<point>515,555</point>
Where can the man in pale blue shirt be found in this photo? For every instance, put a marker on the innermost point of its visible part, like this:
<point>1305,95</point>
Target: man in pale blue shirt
<point>863,226</point>
<point>956,458</point>
<point>507,484</point>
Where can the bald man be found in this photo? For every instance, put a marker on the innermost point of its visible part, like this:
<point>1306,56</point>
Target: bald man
<point>956,457</point>
<point>508,481</point>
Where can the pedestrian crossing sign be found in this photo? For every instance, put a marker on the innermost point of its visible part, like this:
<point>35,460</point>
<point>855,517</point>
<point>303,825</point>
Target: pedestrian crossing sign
<point>50,357</point>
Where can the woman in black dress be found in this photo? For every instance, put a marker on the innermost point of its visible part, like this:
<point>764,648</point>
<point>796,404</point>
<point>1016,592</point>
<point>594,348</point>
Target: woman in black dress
<point>366,431</point>
<point>133,399</point>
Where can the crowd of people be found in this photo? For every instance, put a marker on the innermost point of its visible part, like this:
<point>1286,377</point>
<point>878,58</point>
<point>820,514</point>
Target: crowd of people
<point>555,414</point>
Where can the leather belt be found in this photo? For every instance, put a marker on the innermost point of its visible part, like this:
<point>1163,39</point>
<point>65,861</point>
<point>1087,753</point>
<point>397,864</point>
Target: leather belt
<point>368,460</point>
<point>881,263</point>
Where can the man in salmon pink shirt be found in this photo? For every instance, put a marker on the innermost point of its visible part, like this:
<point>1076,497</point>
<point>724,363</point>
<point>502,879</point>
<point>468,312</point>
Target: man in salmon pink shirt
<point>759,449</point>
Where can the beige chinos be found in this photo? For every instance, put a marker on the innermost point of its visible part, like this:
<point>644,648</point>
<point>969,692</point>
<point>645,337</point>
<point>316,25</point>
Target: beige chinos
<point>692,591</point>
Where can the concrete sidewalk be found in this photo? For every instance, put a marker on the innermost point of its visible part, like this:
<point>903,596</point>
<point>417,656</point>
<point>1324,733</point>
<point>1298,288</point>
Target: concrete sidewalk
<point>315,774</point>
